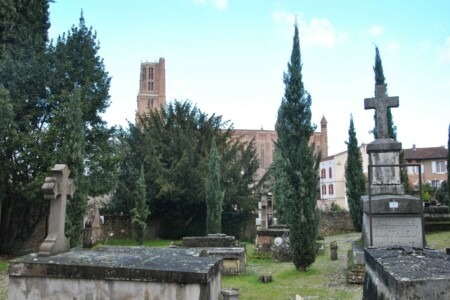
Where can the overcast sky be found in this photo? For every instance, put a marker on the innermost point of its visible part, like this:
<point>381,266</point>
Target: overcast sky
<point>228,58</point>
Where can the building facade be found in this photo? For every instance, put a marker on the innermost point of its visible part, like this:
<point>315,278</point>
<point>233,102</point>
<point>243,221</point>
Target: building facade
<point>264,143</point>
<point>152,87</point>
<point>433,162</point>
<point>332,178</point>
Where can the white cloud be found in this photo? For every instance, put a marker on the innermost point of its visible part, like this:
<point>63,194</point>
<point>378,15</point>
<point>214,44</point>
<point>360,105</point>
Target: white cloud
<point>375,30</point>
<point>313,32</point>
<point>444,51</point>
<point>219,4</point>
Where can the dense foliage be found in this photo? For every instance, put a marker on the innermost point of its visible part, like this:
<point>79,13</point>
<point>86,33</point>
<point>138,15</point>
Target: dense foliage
<point>448,167</point>
<point>297,162</point>
<point>174,144</point>
<point>354,177</point>
<point>51,96</point>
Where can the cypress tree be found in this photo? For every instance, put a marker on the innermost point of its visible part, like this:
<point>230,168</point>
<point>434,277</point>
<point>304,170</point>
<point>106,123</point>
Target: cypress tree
<point>213,192</point>
<point>380,79</point>
<point>294,130</point>
<point>354,177</point>
<point>140,212</point>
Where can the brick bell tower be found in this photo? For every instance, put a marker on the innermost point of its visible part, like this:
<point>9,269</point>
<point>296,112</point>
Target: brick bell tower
<point>152,87</point>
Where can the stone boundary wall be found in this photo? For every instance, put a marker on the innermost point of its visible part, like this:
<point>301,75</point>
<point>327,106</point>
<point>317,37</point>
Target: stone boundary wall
<point>331,223</point>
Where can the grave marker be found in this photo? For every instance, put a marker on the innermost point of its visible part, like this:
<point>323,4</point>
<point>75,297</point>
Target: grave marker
<point>56,189</point>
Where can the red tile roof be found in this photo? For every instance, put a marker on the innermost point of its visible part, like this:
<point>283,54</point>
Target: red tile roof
<point>426,153</point>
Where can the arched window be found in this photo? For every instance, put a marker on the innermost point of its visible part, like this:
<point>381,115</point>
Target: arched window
<point>151,86</point>
<point>330,189</point>
<point>330,172</point>
<point>324,189</point>
<point>150,73</point>
<point>323,173</point>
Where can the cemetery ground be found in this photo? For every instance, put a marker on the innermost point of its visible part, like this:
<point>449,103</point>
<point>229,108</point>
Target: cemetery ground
<point>326,279</point>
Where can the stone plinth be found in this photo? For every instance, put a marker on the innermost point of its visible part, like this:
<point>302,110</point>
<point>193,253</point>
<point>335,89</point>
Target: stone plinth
<point>396,221</point>
<point>266,237</point>
<point>406,273</point>
<point>385,179</point>
<point>234,259</point>
<point>211,240</point>
<point>116,273</point>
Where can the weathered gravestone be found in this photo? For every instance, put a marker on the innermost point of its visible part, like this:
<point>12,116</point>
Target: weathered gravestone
<point>56,189</point>
<point>396,265</point>
<point>58,272</point>
<point>92,232</point>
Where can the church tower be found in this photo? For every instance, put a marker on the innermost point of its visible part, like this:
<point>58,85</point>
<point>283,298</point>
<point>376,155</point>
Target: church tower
<point>152,87</point>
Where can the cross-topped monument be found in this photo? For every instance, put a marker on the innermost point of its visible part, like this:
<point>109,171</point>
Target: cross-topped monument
<point>56,189</point>
<point>381,103</point>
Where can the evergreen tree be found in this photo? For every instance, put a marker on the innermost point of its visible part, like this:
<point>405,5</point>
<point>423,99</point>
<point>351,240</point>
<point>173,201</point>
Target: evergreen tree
<point>294,130</point>
<point>140,212</point>
<point>213,192</point>
<point>281,187</point>
<point>72,153</point>
<point>23,75</point>
<point>380,79</point>
<point>354,177</point>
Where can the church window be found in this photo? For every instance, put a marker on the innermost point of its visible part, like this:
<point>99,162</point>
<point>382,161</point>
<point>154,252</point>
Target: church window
<point>330,172</point>
<point>330,189</point>
<point>149,102</point>
<point>144,74</point>
<point>324,189</point>
<point>150,73</point>
<point>151,86</point>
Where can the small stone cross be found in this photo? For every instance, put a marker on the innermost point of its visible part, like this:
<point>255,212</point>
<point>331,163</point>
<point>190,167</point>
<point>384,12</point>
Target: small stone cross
<point>56,189</point>
<point>381,103</point>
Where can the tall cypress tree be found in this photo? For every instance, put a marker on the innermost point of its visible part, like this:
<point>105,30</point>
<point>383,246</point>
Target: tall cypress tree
<point>294,130</point>
<point>380,79</point>
<point>213,192</point>
<point>140,212</point>
<point>354,177</point>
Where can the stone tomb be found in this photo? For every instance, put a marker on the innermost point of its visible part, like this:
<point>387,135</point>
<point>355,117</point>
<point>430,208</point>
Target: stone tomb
<point>223,246</point>
<point>406,273</point>
<point>116,273</point>
<point>58,272</point>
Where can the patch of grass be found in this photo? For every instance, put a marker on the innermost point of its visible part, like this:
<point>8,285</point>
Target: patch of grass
<point>3,265</point>
<point>438,240</point>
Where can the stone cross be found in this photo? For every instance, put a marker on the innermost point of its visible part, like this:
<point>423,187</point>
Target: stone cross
<point>381,103</point>
<point>56,189</point>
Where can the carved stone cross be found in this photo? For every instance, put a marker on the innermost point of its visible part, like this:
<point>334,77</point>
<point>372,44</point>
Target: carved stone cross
<point>56,189</point>
<point>381,103</point>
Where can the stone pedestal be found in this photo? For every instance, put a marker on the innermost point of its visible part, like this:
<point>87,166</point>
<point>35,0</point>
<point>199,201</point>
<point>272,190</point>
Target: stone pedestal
<point>396,221</point>
<point>116,273</point>
<point>406,273</point>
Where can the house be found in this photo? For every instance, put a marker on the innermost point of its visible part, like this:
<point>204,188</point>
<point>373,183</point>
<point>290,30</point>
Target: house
<point>433,163</point>
<point>332,178</point>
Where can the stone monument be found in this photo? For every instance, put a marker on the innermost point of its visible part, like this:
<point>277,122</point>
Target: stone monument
<point>56,189</point>
<point>390,218</point>
<point>396,264</point>
<point>92,232</point>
